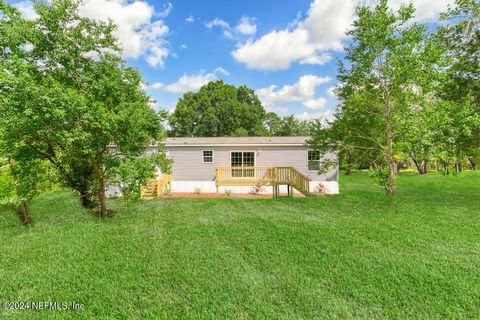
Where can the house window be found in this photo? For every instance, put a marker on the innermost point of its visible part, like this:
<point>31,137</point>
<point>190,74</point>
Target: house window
<point>207,156</point>
<point>313,160</point>
<point>244,160</point>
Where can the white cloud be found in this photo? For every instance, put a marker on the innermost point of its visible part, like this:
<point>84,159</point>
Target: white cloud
<point>26,9</point>
<point>166,10</point>
<point>322,29</point>
<point>222,24</point>
<point>190,19</point>
<point>222,71</point>
<point>246,26</point>
<point>315,103</point>
<point>331,91</point>
<point>310,40</point>
<point>277,109</point>
<point>275,50</point>
<point>157,85</point>
<point>320,59</point>
<point>298,18</point>
<point>324,117</point>
<point>141,31</point>
<point>303,91</point>
<point>183,46</point>
<point>425,9</point>
<point>191,82</point>
<point>217,23</point>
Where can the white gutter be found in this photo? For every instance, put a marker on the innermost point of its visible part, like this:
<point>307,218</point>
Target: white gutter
<point>237,145</point>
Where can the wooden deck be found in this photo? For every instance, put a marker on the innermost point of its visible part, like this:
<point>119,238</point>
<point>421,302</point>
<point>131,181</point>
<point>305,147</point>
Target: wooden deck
<point>263,176</point>
<point>241,176</point>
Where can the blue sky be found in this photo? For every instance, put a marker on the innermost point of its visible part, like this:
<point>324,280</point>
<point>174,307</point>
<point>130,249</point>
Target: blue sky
<point>285,50</point>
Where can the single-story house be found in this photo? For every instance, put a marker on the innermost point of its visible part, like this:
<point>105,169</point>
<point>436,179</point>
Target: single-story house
<point>238,164</point>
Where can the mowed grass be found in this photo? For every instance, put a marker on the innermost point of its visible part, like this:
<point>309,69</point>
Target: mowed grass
<point>356,255</point>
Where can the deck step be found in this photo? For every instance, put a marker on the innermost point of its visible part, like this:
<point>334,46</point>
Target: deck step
<point>155,187</point>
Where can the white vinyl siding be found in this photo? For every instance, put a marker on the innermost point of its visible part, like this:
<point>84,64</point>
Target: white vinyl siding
<point>186,161</point>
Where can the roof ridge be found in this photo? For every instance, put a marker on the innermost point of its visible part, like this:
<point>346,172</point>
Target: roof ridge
<point>287,140</point>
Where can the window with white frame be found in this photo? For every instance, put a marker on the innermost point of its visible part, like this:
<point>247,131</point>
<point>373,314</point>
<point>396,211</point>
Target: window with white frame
<point>314,162</point>
<point>244,160</point>
<point>207,156</point>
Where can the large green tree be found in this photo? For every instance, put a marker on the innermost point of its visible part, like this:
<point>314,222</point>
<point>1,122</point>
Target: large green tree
<point>286,126</point>
<point>378,88</point>
<point>460,36</point>
<point>218,109</point>
<point>67,97</point>
<point>20,175</point>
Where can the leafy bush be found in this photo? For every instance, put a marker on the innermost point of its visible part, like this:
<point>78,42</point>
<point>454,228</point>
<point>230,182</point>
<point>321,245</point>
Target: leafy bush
<point>35,176</point>
<point>380,176</point>
<point>133,173</point>
<point>7,188</point>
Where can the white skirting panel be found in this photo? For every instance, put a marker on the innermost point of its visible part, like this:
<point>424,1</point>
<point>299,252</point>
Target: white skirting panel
<point>329,187</point>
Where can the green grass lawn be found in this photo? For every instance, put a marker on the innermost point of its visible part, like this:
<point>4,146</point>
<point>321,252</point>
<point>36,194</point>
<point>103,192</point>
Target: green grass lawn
<point>356,255</point>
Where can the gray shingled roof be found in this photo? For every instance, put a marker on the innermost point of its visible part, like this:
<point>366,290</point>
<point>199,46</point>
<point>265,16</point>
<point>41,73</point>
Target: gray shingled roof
<point>231,141</point>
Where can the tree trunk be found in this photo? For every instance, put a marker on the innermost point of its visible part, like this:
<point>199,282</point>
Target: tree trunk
<point>473,164</point>
<point>398,166</point>
<point>415,162</point>
<point>458,166</point>
<point>348,168</point>
<point>25,212</point>
<point>102,198</point>
<point>87,198</point>
<point>446,169</point>
<point>422,166</point>
<point>392,167</point>
<point>23,204</point>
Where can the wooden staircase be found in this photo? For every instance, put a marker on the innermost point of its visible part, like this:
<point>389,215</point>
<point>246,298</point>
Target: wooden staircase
<point>155,187</point>
<point>292,178</point>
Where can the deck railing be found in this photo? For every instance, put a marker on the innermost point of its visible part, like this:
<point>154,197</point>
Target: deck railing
<point>291,176</point>
<point>261,176</point>
<point>244,175</point>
